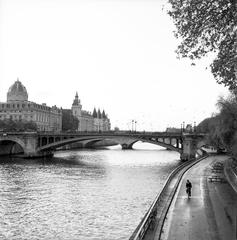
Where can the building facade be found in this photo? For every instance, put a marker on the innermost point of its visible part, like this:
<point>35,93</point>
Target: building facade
<point>18,108</point>
<point>89,122</point>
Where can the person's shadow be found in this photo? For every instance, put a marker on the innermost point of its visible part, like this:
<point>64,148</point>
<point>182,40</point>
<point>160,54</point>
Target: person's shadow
<point>188,199</point>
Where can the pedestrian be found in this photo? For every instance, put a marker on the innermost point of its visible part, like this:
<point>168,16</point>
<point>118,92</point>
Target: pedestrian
<point>188,188</point>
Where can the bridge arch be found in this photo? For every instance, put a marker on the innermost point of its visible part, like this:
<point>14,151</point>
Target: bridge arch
<point>66,141</point>
<point>11,146</point>
<point>125,141</point>
<point>90,143</point>
<point>201,143</point>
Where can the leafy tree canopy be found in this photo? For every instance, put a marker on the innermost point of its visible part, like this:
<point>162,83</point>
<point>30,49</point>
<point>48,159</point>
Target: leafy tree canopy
<point>69,122</point>
<point>222,128</point>
<point>208,26</point>
<point>10,126</point>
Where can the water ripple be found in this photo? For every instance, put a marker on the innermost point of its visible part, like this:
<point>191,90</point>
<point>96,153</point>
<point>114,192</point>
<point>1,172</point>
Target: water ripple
<point>80,194</point>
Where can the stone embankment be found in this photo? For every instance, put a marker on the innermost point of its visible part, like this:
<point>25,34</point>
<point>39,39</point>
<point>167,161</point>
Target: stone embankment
<point>153,220</point>
<point>210,213</point>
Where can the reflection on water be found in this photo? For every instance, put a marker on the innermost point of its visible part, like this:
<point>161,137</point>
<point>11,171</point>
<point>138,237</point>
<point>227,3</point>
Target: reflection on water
<point>94,194</point>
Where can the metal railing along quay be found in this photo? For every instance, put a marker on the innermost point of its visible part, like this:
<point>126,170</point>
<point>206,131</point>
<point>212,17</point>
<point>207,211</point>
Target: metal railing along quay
<point>153,221</point>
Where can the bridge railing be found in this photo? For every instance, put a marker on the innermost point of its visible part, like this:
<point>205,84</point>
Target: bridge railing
<point>112,133</point>
<point>104,133</point>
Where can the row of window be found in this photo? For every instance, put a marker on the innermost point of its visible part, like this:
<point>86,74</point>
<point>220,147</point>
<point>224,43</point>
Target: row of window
<point>14,105</point>
<point>16,117</point>
<point>42,118</point>
<point>24,105</point>
<point>16,111</point>
<point>39,118</point>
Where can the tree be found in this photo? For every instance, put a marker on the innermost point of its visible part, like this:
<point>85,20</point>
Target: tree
<point>116,129</point>
<point>204,126</point>
<point>10,126</point>
<point>211,126</point>
<point>208,26</point>
<point>222,128</point>
<point>69,122</point>
<point>228,122</point>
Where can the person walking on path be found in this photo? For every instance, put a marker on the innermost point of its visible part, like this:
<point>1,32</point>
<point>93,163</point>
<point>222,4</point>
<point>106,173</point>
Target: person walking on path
<point>188,188</point>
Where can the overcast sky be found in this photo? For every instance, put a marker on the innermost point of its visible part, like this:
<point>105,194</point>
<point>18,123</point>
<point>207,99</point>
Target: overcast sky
<point>118,54</point>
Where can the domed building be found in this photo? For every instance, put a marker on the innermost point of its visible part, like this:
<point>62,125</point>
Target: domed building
<point>18,108</point>
<point>17,92</point>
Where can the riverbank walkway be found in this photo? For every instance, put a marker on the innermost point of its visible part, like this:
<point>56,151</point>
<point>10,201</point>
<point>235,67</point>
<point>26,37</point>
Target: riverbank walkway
<point>210,213</point>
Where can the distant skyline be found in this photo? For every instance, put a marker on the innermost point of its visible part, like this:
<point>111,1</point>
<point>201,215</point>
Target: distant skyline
<point>118,55</point>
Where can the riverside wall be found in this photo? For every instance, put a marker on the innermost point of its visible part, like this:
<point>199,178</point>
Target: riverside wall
<point>155,216</point>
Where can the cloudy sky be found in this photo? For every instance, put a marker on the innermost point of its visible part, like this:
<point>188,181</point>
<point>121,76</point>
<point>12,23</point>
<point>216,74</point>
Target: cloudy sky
<point>118,54</point>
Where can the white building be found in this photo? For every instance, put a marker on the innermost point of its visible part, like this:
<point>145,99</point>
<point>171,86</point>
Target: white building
<point>89,122</point>
<point>18,107</point>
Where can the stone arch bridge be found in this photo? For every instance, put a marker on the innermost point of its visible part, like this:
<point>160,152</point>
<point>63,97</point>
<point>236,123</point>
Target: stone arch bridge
<point>38,144</point>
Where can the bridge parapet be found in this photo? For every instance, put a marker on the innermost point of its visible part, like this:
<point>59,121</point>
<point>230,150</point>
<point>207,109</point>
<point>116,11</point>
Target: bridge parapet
<point>110,133</point>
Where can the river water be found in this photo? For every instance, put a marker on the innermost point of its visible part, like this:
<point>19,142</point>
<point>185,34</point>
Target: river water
<point>89,194</point>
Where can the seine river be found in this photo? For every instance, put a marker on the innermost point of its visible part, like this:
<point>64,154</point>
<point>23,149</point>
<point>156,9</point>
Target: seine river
<point>89,194</point>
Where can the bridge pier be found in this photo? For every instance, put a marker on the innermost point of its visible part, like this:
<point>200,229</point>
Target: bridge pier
<point>126,146</point>
<point>24,144</point>
<point>6,148</point>
<point>189,148</point>
<point>30,149</point>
